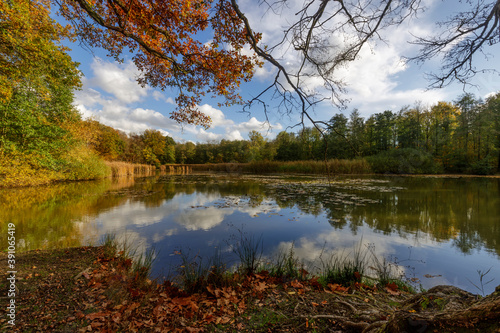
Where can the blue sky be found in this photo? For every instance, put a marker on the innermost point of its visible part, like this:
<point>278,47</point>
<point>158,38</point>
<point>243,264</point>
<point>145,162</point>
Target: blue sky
<point>378,81</point>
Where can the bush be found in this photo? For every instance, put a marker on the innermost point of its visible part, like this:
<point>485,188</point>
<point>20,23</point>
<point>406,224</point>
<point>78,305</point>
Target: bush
<point>23,169</point>
<point>486,166</point>
<point>81,164</point>
<point>403,161</point>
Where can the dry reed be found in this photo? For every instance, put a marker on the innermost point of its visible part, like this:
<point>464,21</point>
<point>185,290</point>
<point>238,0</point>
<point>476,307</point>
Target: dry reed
<point>124,169</point>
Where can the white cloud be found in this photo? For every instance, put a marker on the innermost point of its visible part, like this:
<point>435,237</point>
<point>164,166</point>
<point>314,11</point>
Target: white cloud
<point>204,136</point>
<point>118,80</point>
<point>217,116</point>
<point>253,125</point>
<point>115,110</point>
<point>233,135</point>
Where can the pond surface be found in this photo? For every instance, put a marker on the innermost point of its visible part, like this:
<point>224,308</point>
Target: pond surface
<point>436,230</point>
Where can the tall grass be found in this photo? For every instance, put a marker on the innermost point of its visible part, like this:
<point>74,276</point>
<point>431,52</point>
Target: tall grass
<point>249,250</point>
<point>197,273</point>
<point>140,265</point>
<point>178,169</point>
<point>344,268</point>
<point>124,169</point>
<point>334,166</point>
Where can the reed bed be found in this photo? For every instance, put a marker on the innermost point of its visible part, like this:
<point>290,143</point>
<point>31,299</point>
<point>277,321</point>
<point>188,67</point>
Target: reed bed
<point>334,166</point>
<point>178,169</point>
<point>124,169</point>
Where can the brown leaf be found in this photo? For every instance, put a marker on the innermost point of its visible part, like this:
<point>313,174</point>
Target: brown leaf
<point>260,287</point>
<point>96,315</point>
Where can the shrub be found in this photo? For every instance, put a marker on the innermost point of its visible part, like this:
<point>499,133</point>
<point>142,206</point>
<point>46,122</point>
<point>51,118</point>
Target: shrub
<point>403,161</point>
<point>81,164</point>
<point>486,166</point>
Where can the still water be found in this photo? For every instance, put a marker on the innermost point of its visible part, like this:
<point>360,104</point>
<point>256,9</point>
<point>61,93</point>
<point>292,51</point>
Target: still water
<point>436,230</point>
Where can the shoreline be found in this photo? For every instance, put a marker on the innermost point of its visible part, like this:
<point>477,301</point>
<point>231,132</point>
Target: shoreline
<point>444,175</point>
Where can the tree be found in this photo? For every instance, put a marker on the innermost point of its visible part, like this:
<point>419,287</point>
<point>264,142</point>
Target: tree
<point>257,144</point>
<point>37,79</point>
<point>467,103</point>
<point>154,146</point>
<point>356,128</point>
<point>384,131</point>
<point>443,116</point>
<point>338,141</point>
<point>493,106</point>
<point>31,57</point>
<point>287,147</point>
<point>409,127</point>
<point>169,155</point>
<point>163,37</point>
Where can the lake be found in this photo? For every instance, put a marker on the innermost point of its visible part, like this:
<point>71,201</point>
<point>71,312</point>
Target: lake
<point>437,230</point>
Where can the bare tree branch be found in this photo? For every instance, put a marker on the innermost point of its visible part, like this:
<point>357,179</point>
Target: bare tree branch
<point>464,35</point>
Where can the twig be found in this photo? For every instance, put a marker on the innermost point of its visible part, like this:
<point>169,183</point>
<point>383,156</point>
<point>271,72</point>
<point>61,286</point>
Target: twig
<point>374,325</point>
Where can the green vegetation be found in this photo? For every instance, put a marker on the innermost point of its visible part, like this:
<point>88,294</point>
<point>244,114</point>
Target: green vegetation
<point>346,270</point>
<point>43,138</point>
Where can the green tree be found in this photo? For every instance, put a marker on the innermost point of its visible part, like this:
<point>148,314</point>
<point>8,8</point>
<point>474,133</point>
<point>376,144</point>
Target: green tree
<point>257,144</point>
<point>443,123</point>
<point>154,146</point>
<point>169,153</point>
<point>338,137</point>
<point>409,128</point>
<point>37,78</point>
<point>356,130</point>
<point>287,147</point>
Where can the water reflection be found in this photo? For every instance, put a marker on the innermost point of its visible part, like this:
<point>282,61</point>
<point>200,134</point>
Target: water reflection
<point>437,226</point>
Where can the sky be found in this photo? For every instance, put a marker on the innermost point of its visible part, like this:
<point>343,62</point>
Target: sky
<point>379,80</point>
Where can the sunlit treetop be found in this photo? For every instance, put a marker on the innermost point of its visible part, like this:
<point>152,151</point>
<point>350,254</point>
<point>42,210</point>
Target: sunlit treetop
<point>165,38</point>
<point>31,55</point>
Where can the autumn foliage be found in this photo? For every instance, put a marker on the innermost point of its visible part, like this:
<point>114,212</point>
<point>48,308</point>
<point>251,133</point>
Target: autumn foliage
<point>166,40</point>
<point>30,49</point>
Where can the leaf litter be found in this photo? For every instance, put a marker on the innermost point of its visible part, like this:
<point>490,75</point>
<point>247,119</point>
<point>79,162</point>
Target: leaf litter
<point>82,290</point>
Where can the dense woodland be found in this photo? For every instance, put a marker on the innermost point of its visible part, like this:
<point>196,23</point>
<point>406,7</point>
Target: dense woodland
<point>43,137</point>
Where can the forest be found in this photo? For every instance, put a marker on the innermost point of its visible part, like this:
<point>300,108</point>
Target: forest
<point>43,138</point>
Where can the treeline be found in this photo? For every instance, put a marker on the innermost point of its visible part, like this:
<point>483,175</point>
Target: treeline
<point>458,137</point>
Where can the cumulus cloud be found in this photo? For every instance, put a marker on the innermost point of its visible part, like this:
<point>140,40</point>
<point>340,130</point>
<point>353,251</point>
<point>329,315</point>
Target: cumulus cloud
<point>233,135</point>
<point>255,125</point>
<point>116,109</point>
<point>118,80</point>
<point>217,116</point>
<point>203,135</point>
